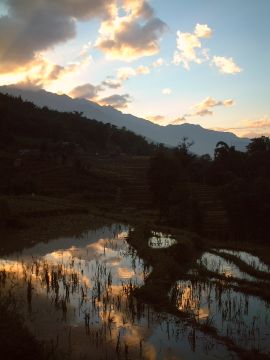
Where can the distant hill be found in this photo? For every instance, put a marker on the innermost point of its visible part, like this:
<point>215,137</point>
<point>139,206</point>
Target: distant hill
<point>204,140</point>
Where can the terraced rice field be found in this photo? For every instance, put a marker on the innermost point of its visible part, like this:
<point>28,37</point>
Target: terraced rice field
<point>76,295</point>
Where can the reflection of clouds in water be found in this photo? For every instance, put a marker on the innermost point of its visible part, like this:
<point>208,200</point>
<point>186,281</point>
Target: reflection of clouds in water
<point>37,270</point>
<point>113,261</point>
<point>122,235</point>
<point>190,301</point>
<point>244,318</point>
<point>160,240</point>
<point>222,266</point>
<point>125,273</point>
<point>150,352</point>
<point>88,266</point>
<point>248,258</point>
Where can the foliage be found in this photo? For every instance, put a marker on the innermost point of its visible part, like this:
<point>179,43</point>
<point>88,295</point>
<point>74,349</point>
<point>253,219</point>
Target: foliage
<point>24,125</point>
<point>169,173</point>
<point>241,178</point>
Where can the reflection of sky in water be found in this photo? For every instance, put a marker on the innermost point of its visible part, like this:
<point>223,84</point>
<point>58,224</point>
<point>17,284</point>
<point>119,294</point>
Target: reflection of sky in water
<point>221,266</point>
<point>88,278</point>
<point>250,259</point>
<point>245,319</point>
<point>161,241</point>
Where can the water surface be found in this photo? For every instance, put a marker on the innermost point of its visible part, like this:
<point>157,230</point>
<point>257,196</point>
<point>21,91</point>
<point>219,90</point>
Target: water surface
<point>159,240</point>
<point>77,295</point>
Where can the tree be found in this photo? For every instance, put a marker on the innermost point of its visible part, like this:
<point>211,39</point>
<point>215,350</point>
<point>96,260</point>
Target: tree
<point>261,144</point>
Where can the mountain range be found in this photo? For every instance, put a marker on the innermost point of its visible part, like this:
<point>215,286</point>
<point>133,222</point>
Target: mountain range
<point>204,140</point>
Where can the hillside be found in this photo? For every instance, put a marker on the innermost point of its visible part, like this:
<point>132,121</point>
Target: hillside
<point>46,152</point>
<point>204,140</point>
<point>25,126</point>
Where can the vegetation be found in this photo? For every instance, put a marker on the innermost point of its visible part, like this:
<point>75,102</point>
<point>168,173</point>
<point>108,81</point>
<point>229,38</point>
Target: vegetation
<point>25,126</point>
<point>241,181</point>
<point>63,174</point>
<point>46,152</point>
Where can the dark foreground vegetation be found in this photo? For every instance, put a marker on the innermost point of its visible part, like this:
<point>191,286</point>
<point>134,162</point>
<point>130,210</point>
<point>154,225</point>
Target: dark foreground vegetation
<point>61,172</point>
<point>236,185</point>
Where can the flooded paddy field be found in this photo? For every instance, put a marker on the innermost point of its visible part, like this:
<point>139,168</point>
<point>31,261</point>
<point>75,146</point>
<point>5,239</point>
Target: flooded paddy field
<point>77,297</point>
<point>159,240</point>
<point>221,266</point>
<point>249,259</point>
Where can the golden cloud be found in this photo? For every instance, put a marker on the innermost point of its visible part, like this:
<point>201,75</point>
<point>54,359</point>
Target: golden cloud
<point>226,65</point>
<point>163,120</point>
<point>203,31</point>
<point>39,73</point>
<point>251,128</point>
<point>205,107</point>
<point>133,35</point>
<point>144,70</point>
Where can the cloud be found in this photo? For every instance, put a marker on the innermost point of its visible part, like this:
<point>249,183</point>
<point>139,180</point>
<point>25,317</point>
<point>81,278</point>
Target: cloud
<point>167,91</point>
<point>188,45</point>
<point>190,50</point>
<point>179,120</point>
<point>163,120</point>
<point>89,91</point>
<point>158,63</point>
<point>85,91</point>
<point>116,101</point>
<point>158,119</point>
<point>226,65</point>
<point>127,72</point>
<point>37,25</point>
<point>41,72</point>
<point>203,31</point>
<point>205,107</point>
<point>85,53</point>
<point>263,123</point>
<point>251,128</point>
<point>111,83</point>
<point>135,34</point>
<point>144,70</point>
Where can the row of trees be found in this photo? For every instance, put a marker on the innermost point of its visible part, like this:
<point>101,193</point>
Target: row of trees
<point>242,180</point>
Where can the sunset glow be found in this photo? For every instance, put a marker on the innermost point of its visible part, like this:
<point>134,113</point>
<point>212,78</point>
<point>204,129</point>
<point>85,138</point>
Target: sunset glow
<point>154,60</point>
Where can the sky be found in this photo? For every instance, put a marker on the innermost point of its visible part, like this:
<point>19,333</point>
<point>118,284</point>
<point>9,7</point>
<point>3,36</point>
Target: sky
<point>204,62</point>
